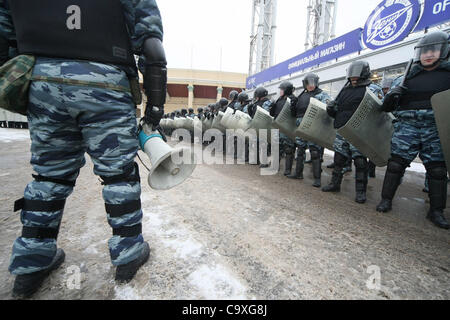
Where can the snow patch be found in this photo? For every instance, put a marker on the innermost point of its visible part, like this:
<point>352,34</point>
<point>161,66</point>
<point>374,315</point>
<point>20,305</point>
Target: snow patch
<point>416,167</point>
<point>216,283</point>
<point>11,135</point>
<point>126,293</point>
<point>185,248</point>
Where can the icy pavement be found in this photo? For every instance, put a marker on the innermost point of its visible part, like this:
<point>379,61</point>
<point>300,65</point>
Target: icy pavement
<point>10,135</point>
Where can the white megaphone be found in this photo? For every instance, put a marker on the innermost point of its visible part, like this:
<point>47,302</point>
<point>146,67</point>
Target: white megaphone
<point>164,173</point>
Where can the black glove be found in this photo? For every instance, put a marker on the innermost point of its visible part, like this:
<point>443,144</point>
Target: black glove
<point>392,99</point>
<point>153,115</point>
<point>331,108</point>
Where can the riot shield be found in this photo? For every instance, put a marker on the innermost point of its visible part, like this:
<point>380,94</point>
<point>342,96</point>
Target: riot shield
<point>242,120</point>
<point>188,124</point>
<point>178,122</point>
<point>226,118</point>
<point>441,107</point>
<point>207,123</point>
<point>317,126</point>
<point>285,122</point>
<point>370,130</point>
<point>216,124</point>
<point>262,120</point>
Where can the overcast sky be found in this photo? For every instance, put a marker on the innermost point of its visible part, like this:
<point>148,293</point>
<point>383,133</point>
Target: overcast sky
<point>197,33</point>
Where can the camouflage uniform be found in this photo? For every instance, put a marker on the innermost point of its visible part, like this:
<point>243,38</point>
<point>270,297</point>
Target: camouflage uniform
<point>415,133</point>
<point>67,120</point>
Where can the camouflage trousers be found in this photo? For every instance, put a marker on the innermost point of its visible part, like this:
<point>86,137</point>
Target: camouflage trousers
<point>287,145</point>
<point>415,133</point>
<point>65,122</point>
<point>345,148</point>
<point>304,144</point>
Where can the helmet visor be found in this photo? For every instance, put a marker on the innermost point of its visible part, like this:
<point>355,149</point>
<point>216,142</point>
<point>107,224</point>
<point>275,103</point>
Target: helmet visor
<point>310,81</point>
<point>354,71</point>
<point>429,51</point>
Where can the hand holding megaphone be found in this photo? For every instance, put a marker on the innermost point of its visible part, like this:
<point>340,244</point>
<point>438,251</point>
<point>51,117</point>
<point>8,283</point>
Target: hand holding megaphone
<point>164,173</point>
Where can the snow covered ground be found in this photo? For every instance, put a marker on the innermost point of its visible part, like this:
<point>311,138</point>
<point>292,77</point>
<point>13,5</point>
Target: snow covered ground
<point>10,135</point>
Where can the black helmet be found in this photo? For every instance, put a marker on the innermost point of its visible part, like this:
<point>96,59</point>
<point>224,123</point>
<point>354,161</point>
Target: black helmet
<point>311,79</point>
<point>261,92</point>
<point>191,110</point>
<point>183,112</point>
<point>242,97</point>
<point>435,41</point>
<point>233,95</point>
<point>199,110</point>
<point>223,102</point>
<point>360,69</point>
<point>287,87</point>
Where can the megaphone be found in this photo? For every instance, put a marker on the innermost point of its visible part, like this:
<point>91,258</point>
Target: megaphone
<point>164,173</point>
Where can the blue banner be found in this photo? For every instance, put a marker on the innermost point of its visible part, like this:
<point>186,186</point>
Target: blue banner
<point>435,12</point>
<point>338,47</point>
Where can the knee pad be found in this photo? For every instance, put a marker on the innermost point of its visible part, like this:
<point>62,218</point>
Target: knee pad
<point>65,181</point>
<point>361,163</point>
<point>340,159</point>
<point>397,165</point>
<point>437,172</point>
<point>126,176</point>
<point>315,154</point>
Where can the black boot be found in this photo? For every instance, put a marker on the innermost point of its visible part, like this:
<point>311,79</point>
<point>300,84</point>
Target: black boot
<point>26,285</point>
<point>316,166</point>
<point>298,165</point>
<point>361,179</point>
<point>126,272</point>
<point>336,178</point>
<point>392,180</point>
<point>438,197</point>
<point>335,184</point>
<point>288,162</point>
<point>317,172</point>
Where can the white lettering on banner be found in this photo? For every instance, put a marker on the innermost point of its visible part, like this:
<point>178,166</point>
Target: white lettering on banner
<point>441,6</point>
<point>312,57</point>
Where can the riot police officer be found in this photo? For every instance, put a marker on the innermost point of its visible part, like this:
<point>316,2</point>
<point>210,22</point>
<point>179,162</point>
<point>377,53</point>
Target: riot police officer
<point>243,102</point>
<point>184,113</point>
<point>260,100</point>
<point>200,113</point>
<point>80,100</point>
<point>191,113</point>
<point>342,110</point>
<point>416,132</point>
<point>233,97</point>
<point>310,90</point>
<point>222,105</point>
<point>287,146</point>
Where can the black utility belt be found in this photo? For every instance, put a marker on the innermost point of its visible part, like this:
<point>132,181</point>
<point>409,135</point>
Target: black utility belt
<point>413,108</point>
